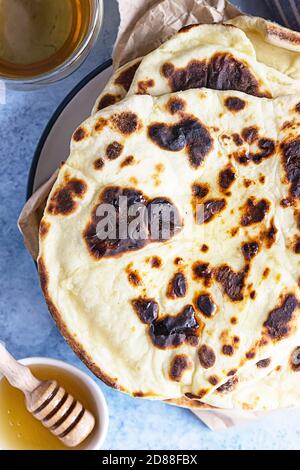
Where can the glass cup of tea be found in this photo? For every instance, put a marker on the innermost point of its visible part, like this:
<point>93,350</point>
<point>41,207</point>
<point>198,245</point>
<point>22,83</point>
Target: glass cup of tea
<point>43,41</point>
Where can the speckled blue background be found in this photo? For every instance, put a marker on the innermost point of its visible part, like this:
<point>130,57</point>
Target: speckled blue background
<point>25,324</point>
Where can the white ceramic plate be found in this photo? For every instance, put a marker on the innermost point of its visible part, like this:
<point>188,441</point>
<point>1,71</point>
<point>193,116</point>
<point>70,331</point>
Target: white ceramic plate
<point>54,145</point>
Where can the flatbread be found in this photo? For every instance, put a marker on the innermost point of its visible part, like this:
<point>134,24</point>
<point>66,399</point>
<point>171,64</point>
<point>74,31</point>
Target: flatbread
<point>188,314</point>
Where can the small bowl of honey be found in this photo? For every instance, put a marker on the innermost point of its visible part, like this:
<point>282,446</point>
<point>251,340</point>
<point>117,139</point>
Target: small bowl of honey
<point>42,41</point>
<point>19,430</point>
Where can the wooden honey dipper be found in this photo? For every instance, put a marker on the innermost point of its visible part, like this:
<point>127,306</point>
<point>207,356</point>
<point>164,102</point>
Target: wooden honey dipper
<point>57,410</point>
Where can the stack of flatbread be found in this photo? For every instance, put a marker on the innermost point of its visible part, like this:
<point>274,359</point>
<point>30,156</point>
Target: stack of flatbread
<point>207,128</point>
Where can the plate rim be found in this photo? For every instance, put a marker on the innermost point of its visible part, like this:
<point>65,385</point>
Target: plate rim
<point>45,134</point>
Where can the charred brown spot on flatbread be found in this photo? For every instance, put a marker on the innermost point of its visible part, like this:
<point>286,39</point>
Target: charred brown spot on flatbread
<point>228,350</point>
<point>127,161</point>
<point>201,394</point>
<point>126,122</point>
<point>144,85</point>
<point>297,108</point>
<point>100,124</point>
<point>134,277</point>
<point>44,229</point>
<point>263,363</point>
<point>112,212</point>
<point>179,365</point>
<point>207,356</point>
<point>229,386</point>
<point>263,341</point>
<point>237,139</point>
<point>164,219</point>
<point>250,250</point>
<point>188,133</point>
<point>155,262</point>
<point>64,199</point>
<point>206,305</point>
<point>242,157</point>
<point>114,150</point>
<point>266,148</point>
<point>98,164</point>
<point>292,125</point>
<point>232,282</point>
<point>291,156</point>
<point>297,246</point>
<point>228,73</point>
<point>254,211</point>
<point>203,272</point>
<point>191,396</point>
<point>199,191</point>
<point>210,209</point>
<point>177,286</point>
<point>80,134</point>
<point>213,380</point>
<point>250,134</point>
<point>234,231</point>
<point>250,354</point>
<point>270,234</point>
<point>220,72</point>
<point>262,179</point>
<point>295,360</point>
<point>226,178</point>
<point>107,100</point>
<point>225,138</point>
<point>204,248</point>
<point>174,330</point>
<point>146,309</point>
<point>253,294</point>
<point>278,324</point>
<point>234,104</point>
<point>138,394</point>
<point>125,78</point>
<point>175,105</point>
<point>114,244</point>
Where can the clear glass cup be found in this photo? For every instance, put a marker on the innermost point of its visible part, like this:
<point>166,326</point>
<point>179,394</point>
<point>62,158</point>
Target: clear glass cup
<point>73,61</point>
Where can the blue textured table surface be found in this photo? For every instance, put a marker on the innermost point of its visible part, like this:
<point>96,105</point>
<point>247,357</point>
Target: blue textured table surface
<point>25,324</point>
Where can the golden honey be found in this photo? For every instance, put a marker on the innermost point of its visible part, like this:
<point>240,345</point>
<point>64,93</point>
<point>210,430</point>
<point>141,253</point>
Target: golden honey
<point>36,36</point>
<point>19,430</point>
